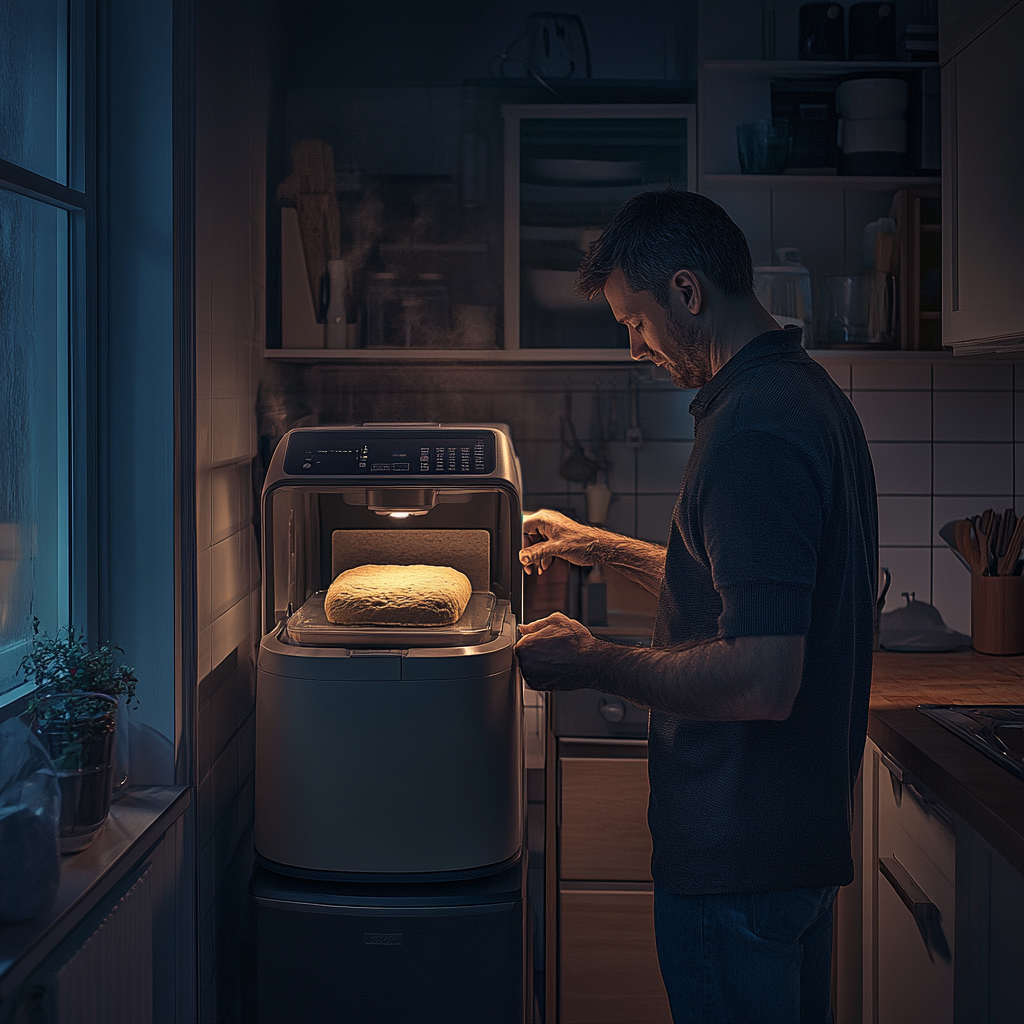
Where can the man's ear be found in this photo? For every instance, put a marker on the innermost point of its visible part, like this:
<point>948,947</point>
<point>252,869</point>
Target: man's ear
<point>688,290</point>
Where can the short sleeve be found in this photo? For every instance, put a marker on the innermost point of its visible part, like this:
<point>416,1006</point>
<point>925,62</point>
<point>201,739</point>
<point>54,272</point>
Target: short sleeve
<point>759,515</point>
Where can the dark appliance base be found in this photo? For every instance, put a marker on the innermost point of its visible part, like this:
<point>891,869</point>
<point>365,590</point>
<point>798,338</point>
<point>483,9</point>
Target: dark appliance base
<point>436,953</point>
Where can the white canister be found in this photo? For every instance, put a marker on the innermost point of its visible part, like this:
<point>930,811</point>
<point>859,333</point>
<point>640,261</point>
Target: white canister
<point>867,98</point>
<point>873,135</point>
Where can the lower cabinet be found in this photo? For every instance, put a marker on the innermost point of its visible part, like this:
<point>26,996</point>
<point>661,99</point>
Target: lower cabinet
<point>609,964</point>
<point>607,960</point>
<point>942,909</point>
<point>915,882</point>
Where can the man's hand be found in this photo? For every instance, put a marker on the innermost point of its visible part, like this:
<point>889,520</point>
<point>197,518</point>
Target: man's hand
<point>554,653</point>
<point>548,535</point>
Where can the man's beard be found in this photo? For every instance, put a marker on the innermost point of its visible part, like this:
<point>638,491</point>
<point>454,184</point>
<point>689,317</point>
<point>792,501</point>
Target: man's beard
<point>690,363</point>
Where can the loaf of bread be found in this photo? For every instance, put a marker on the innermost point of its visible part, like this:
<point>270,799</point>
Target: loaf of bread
<point>398,595</point>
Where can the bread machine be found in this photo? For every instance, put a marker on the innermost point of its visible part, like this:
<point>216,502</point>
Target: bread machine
<point>389,760</point>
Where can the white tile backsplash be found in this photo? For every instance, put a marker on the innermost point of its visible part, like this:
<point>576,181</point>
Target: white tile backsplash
<point>661,465</point>
<point>224,502</point>
<point>973,468</point>
<point>904,521</point>
<point>892,375</point>
<point>949,509</point>
<point>230,630</point>
<point>541,461</point>
<point>204,588</point>
<point>841,373</point>
<point>230,576</point>
<point>230,373</point>
<point>973,415</point>
<point>663,415</point>
<point>234,429</point>
<point>622,515</point>
<point>654,516</point>
<point>894,415</point>
<point>902,468</point>
<point>622,478</point>
<point>951,590</point>
<point>966,375</point>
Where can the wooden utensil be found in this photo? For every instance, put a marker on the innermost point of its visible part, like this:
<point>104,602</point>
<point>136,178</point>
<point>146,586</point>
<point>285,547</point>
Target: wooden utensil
<point>967,546</point>
<point>1008,562</point>
<point>983,526</point>
<point>1006,528</point>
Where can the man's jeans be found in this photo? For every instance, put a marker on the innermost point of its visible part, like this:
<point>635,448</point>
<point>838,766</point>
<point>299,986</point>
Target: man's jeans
<point>762,958</point>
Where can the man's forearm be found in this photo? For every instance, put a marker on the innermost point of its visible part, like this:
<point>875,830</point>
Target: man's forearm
<point>741,679</point>
<point>638,560</point>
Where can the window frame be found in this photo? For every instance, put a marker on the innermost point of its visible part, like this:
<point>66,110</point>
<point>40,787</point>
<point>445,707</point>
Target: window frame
<point>78,199</point>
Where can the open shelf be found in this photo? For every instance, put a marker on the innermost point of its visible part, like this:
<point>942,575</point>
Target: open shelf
<point>811,68</point>
<point>425,355</point>
<point>803,182</point>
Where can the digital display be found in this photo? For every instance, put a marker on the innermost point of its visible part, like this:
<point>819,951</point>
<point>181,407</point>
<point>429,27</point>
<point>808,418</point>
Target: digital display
<point>388,454</point>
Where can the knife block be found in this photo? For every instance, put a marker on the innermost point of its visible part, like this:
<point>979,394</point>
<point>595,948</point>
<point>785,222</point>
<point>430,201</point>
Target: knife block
<point>997,614</point>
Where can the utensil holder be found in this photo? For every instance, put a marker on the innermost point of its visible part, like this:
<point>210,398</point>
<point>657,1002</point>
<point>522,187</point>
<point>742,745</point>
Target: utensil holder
<point>997,614</point>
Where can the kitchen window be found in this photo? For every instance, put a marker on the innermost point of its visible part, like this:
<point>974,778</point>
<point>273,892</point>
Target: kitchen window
<point>45,275</point>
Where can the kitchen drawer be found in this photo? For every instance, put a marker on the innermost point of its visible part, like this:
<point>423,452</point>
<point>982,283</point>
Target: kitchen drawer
<point>914,829</point>
<point>609,962</point>
<point>604,834</point>
<point>916,900</point>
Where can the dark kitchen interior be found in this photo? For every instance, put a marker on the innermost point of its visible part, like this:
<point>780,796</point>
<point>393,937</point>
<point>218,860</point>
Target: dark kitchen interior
<point>287,216</point>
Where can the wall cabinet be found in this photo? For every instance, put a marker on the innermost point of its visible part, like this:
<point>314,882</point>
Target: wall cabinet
<point>983,203</point>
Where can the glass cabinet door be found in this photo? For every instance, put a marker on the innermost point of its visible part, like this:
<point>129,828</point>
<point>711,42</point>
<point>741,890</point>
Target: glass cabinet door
<point>568,168</point>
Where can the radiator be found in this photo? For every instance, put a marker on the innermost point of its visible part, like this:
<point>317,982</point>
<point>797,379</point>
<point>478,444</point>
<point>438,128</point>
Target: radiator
<point>110,979</point>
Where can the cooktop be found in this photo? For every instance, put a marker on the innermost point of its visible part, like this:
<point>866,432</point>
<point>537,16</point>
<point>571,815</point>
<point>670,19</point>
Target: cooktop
<point>997,730</point>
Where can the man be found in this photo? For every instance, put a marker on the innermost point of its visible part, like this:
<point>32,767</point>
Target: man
<point>757,681</point>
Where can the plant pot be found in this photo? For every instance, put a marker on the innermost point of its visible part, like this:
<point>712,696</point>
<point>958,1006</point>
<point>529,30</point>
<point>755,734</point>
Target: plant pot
<point>78,729</point>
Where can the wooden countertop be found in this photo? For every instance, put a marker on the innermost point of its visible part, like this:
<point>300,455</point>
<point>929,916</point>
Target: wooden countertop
<point>904,680</point>
<point>984,794</point>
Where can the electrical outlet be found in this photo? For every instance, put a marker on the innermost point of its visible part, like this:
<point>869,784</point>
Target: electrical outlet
<point>634,437</point>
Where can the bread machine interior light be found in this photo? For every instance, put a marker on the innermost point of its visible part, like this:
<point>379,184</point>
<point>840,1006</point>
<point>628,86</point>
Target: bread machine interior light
<point>401,502</point>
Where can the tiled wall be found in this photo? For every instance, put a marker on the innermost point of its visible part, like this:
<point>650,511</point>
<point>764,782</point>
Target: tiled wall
<point>232,105</point>
<point>947,440</point>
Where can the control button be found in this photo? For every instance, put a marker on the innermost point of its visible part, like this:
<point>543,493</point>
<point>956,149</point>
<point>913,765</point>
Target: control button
<point>380,467</point>
<point>307,465</point>
<point>400,467</point>
<point>612,709</point>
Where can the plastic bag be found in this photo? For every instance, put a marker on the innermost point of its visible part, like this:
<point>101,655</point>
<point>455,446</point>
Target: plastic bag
<point>29,824</point>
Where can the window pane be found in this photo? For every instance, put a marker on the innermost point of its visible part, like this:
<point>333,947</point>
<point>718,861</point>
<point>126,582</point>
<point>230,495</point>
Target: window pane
<point>33,84</point>
<point>34,467</point>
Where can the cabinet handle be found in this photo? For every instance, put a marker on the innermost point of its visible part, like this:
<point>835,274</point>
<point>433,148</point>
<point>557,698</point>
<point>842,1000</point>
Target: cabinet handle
<point>894,769</point>
<point>913,896</point>
<point>915,899</point>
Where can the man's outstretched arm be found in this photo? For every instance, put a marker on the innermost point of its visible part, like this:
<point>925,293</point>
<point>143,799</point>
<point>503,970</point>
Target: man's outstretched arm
<point>747,678</point>
<point>548,535</point>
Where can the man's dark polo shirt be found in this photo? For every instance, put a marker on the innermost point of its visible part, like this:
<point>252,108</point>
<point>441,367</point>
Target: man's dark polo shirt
<point>775,533</point>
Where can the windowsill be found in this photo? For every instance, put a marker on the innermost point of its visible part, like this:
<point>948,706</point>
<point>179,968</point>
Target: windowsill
<point>135,823</point>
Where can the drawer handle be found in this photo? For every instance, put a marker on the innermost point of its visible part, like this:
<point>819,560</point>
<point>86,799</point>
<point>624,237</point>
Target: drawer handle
<point>926,914</point>
<point>894,769</point>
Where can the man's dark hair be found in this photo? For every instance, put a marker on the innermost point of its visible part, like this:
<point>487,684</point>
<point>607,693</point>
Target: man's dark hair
<point>654,234</point>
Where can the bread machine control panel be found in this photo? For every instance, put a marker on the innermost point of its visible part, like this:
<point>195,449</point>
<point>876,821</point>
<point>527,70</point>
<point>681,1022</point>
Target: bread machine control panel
<point>390,453</point>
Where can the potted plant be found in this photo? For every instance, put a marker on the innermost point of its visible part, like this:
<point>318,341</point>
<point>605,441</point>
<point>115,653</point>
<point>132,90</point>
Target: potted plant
<point>73,711</point>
